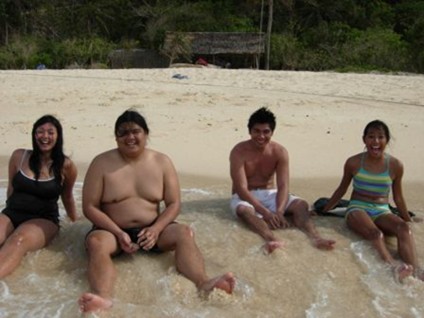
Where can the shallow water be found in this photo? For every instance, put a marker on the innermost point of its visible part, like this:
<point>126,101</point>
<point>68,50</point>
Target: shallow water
<point>296,281</point>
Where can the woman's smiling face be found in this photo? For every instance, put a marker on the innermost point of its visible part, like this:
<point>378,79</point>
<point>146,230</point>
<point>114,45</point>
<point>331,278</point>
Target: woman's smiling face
<point>46,137</point>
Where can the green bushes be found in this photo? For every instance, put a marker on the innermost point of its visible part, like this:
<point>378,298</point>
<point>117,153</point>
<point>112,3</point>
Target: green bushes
<point>19,54</point>
<point>85,52</point>
<point>6,59</point>
<point>286,52</point>
<point>307,34</point>
<point>28,52</point>
<point>376,48</point>
<point>339,47</point>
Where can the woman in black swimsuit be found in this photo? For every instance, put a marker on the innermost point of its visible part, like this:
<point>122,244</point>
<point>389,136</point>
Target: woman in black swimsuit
<point>37,178</point>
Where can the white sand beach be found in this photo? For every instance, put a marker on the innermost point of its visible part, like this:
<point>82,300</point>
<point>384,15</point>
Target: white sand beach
<point>196,120</point>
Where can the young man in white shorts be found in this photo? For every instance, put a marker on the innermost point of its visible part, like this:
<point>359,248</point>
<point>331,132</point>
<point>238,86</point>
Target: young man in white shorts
<point>256,165</point>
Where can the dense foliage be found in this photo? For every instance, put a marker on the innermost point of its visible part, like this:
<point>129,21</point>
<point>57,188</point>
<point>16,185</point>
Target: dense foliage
<point>306,34</point>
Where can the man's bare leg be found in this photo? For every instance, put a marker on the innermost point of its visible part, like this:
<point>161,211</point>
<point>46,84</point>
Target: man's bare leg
<point>224,282</point>
<point>260,227</point>
<point>271,246</point>
<point>90,302</point>
<point>101,272</point>
<point>302,220</point>
<point>189,260</point>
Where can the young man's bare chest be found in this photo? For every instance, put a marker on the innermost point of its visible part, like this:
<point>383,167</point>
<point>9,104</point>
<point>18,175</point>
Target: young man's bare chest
<point>260,165</point>
<point>131,182</point>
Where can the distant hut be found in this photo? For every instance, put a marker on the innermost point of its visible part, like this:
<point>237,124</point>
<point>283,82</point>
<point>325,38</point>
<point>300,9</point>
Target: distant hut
<point>214,45</point>
<point>136,58</point>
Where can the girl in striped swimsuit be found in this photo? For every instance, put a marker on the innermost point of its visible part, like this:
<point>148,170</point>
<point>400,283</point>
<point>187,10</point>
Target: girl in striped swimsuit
<point>373,174</point>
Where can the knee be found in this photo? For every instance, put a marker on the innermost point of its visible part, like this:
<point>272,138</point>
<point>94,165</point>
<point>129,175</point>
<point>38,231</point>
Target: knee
<point>184,236</point>
<point>180,234</point>
<point>403,229</point>
<point>302,204</point>
<point>299,204</point>
<point>242,211</point>
<point>299,207</point>
<point>185,232</point>
<point>93,243</point>
<point>17,239</point>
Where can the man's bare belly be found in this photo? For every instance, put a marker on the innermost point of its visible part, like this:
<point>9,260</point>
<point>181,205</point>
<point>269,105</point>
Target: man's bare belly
<point>132,212</point>
<point>257,185</point>
<point>260,187</point>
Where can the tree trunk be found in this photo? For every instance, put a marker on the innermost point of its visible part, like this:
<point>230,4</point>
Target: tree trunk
<point>268,32</point>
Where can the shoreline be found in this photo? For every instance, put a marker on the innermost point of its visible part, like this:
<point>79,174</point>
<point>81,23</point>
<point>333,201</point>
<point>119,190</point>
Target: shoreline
<point>310,189</point>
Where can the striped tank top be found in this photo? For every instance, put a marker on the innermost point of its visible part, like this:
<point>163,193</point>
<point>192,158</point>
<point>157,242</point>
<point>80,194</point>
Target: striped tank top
<point>372,184</point>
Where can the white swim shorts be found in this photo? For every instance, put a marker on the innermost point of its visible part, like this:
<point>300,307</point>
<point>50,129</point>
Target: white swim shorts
<point>265,196</point>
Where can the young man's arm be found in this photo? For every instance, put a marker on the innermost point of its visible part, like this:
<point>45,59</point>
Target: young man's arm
<point>282,178</point>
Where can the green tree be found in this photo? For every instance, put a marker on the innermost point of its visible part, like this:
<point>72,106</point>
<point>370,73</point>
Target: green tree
<point>320,29</point>
<point>377,48</point>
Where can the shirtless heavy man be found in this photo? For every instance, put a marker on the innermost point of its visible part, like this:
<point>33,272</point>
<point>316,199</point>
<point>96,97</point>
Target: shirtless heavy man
<point>122,192</point>
<point>254,164</point>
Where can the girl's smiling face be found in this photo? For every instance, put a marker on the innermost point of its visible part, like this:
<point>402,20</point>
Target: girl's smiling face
<point>375,141</point>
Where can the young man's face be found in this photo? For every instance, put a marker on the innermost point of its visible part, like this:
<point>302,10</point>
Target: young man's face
<point>131,137</point>
<point>261,134</point>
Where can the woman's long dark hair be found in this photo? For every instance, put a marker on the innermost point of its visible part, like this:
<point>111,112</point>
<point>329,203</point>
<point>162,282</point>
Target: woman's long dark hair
<point>57,155</point>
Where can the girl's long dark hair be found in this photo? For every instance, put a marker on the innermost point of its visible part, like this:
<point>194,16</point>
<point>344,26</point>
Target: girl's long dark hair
<point>57,155</point>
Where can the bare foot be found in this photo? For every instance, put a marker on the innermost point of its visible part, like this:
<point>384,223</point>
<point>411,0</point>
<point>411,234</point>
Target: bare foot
<point>324,244</point>
<point>91,302</point>
<point>402,271</point>
<point>270,246</point>
<point>225,282</point>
